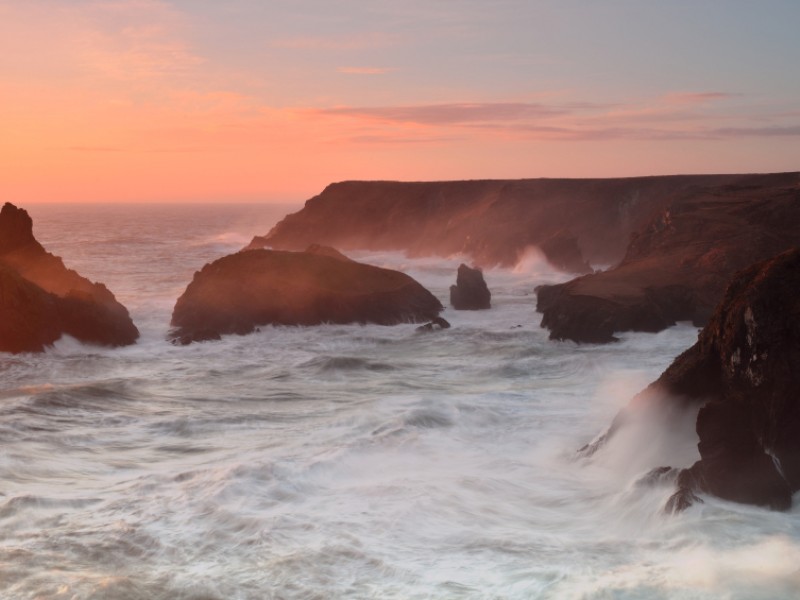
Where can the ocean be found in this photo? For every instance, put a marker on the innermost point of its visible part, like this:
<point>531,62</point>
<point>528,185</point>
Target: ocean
<point>346,461</point>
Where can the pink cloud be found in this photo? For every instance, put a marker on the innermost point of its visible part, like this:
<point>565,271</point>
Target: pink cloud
<point>696,97</point>
<point>358,41</point>
<point>449,114</point>
<point>364,70</point>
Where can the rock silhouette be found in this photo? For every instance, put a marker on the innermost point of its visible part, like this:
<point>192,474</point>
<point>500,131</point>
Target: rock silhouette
<point>470,291</point>
<point>743,374</point>
<point>678,267</point>
<point>240,292</point>
<point>41,299</point>
<point>494,222</point>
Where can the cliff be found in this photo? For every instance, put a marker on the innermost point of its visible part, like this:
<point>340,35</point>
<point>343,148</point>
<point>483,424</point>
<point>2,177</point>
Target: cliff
<point>493,222</point>
<point>743,373</point>
<point>677,268</point>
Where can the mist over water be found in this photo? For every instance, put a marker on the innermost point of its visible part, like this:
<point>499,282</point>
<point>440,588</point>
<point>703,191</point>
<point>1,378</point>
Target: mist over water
<point>345,461</point>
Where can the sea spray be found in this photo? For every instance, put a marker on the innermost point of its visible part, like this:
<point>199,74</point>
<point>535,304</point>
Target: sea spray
<point>344,461</point>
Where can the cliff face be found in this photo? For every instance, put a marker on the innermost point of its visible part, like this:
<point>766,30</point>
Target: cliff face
<point>678,266</point>
<point>743,371</point>
<point>41,299</point>
<point>493,222</point>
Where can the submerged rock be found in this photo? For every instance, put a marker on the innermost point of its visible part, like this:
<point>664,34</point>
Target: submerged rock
<point>470,291</point>
<point>40,299</point>
<point>743,371</point>
<point>437,323</point>
<point>240,292</point>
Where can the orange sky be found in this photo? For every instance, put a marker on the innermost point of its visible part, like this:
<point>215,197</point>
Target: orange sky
<point>150,100</point>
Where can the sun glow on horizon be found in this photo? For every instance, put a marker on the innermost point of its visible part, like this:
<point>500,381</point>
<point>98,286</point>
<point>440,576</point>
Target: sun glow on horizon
<point>150,100</point>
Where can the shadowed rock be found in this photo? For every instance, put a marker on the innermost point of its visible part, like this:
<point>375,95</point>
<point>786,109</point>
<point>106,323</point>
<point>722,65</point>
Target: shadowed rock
<point>562,251</point>
<point>678,267</point>
<point>470,291</point>
<point>41,299</point>
<point>240,292</point>
<point>435,324</point>
<point>326,251</point>
<point>491,221</point>
<point>743,370</point>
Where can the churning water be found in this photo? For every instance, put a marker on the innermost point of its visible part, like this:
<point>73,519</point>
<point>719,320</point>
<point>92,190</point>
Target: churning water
<point>345,461</point>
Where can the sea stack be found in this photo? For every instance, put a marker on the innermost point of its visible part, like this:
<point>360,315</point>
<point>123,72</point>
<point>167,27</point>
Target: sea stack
<point>41,300</point>
<point>242,291</point>
<point>743,370</point>
<point>470,291</point>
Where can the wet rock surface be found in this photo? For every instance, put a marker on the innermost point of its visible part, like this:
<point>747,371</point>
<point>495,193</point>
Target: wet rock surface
<point>677,268</point>
<point>743,372</point>
<point>470,291</point>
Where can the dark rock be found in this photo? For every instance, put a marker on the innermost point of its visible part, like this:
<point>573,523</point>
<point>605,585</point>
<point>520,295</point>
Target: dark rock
<point>437,323</point>
<point>743,371</point>
<point>16,230</point>
<point>28,314</point>
<point>681,500</point>
<point>257,243</point>
<point>494,222</point>
<point>470,291</point>
<point>562,251</point>
<point>41,299</point>
<point>326,251</point>
<point>657,476</point>
<point>239,292</point>
<point>677,269</point>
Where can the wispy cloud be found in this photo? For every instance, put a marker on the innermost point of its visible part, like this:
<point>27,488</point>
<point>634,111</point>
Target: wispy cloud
<point>136,40</point>
<point>676,116</point>
<point>696,97</point>
<point>364,70</point>
<point>449,114</point>
<point>356,41</point>
<point>95,149</point>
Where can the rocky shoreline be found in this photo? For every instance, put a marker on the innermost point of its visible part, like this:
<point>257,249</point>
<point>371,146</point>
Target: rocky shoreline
<point>41,299</point>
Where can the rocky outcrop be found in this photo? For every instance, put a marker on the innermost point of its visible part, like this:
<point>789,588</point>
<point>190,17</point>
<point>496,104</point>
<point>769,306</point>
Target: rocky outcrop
<point>574,221</point>
<point>677,268</point>
<point>28,314</point>
<point>436,324</point>
<point>563,252</point>
<point>240,292</point>
<point>743,372</point>
<point>40,299</point>
<point>325,251</point>
<point>470,291</point>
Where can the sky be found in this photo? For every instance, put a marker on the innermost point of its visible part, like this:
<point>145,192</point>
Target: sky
<point>271,100</point>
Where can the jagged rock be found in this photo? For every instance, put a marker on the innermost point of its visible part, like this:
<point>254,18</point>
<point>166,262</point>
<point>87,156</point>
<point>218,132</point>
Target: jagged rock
<point>470,291</point>
<point>743,371</point>
<point>678,267</point>
<point>437,323</point>
<point>41,299</point>
<point>237,293</point>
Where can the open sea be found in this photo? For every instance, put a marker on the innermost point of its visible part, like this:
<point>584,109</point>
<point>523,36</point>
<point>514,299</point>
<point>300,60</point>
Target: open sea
<point>346,461</point>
